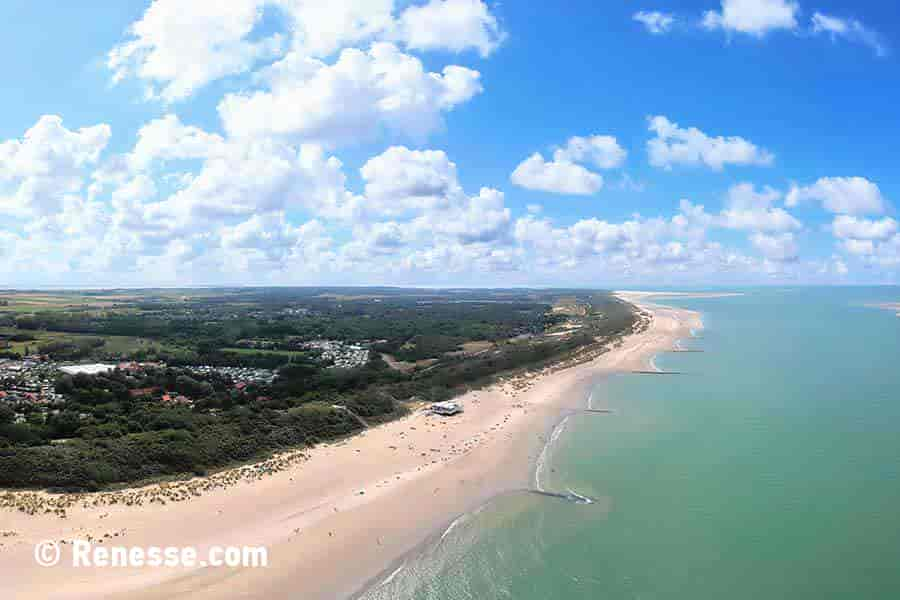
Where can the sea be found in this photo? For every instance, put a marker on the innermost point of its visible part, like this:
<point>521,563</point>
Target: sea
<point>768,468</point>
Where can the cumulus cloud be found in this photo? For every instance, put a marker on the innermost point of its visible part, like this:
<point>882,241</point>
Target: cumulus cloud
<point>167,138</point>
<point>849,29</point>
<point>270,242</point>
<point>745,197</point>
<point>749,209</point>
<point>566,173</point>
<point>843,195</point>
<point>454,25</point>
<point>421,186</point>
<point>866,237</point>
<point>401,181</point>
<point>44,168</point>
<point>753,17</point>
<point>779,248</point>
<point>601,151</point>
<point>637,245</point>
<point>556,176</point>
<point>674,145</point>
<point>775,219</point>
<point>319,29</point>
<point>859,247</point>
<point>361,94</point>
<point>654,21</point>
<point>757,18</point>
<point>847,227</point>
<point>241,180</point>
<point>233,214</point>
<point>177,48</point>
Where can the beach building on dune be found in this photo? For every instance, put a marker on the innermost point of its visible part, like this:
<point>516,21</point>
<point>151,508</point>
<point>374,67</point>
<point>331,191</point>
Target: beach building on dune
<point>446,409</point>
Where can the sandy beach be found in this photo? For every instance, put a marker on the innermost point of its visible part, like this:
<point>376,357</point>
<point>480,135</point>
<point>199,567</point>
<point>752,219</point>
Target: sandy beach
<point>334,517</point>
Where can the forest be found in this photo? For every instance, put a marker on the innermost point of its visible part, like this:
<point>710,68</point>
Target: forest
<point>166,418</point>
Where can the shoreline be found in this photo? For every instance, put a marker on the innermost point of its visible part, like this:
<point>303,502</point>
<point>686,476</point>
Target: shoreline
<point>367,501</point>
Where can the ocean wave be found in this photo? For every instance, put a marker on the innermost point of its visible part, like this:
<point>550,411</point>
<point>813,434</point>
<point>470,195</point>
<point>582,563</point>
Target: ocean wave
<point>545,453</point>
<point>387,580</point>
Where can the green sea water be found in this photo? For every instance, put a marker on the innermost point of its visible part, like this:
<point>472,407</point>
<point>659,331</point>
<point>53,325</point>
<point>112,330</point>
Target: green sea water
<point>769,469</point>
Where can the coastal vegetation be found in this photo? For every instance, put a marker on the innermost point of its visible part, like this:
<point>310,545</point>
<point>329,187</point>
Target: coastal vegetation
<point>206,379</point>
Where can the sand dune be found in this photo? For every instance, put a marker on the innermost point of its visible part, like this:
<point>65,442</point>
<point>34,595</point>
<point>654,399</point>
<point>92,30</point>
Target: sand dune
<point>334,517</point>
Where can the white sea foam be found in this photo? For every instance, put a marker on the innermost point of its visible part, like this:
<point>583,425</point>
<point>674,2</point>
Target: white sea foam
<point>545,453</point>
<point>452,526</point>
<point>391,577</point>
<point>579,498</point>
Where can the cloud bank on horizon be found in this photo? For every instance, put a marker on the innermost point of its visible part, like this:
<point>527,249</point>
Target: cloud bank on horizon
<point>265,195</point>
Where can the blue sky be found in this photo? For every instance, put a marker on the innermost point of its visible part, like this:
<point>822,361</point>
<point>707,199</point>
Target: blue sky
<point>448,142</point>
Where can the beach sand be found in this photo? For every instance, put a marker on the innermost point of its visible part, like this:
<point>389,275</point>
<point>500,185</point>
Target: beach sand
<point>338,517</point>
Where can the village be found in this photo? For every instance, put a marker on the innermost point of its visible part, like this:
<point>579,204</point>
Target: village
<point>335,354</point>
<point>32,380</point>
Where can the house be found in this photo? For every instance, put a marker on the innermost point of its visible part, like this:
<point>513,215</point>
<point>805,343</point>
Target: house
<point>176,399</point>
<point>446,409</point>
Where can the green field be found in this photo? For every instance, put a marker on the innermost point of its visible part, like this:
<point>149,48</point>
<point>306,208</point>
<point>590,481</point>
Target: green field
<point>292,353</point>
<point>118,345</point>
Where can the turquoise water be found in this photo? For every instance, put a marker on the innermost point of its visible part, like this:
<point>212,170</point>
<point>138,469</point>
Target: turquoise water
<point>768,470</point>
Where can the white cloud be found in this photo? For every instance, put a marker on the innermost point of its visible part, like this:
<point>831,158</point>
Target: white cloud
<point>847,227</point>
<point>602,151</point>
<point>676,146</point>
<point>422,186</point>
<point>849,29</point>
<point>753,17</point>
<point>859,247</point>
<point>454,25</point>
<point>244,179</point>
<point>269,242</point>
<point>774,219</point>
<point>481,219</point>
<point>778,248</point>
<point>557,176</point>
<point>401,181</point>
<point>876,240</point>
<point>44,168</point>
<point>353,99</point>
<point>843,195</point>
<point>654,21</point>
<point>565,174</point>
<point>167,138</point>
<point>744,196</point>
<point>178,47</point>
<point>320,28</point>
<point>638,245</point>
<point>751,210</point>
